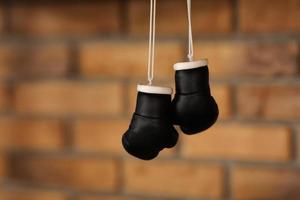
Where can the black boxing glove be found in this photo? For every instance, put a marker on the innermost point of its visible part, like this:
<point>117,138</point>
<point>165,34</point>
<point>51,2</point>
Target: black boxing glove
<point>193,107</point>
<point>151,128</point>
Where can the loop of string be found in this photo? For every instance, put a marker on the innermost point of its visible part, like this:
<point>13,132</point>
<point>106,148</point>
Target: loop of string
<point>151,50</point>
<point>191,47</point>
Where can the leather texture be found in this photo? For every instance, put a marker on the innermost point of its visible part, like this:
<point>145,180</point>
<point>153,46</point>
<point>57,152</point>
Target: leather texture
<point>151,129</point>
<point>193,107</point>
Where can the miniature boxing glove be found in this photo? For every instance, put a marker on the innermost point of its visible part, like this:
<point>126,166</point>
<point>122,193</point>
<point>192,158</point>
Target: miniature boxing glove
<point>193,107</point>
<point>151,128</point>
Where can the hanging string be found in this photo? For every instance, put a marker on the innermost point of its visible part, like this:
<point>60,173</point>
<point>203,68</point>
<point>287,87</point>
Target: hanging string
<point>191,47</point>
<point>151,50</point>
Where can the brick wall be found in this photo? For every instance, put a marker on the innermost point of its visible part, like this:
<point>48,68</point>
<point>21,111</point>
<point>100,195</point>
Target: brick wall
<point>68,72</point>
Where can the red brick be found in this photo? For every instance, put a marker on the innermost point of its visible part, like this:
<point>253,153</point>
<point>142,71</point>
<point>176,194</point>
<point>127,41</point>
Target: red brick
<point>127,59</point>
<point>259,16</point>
<point>174,179</point>
<point>265,183</point>
<point>277,101</point>
<point>66,19</point>
<point>4,97</point>
<point>67,98</point>
<point>27,194</point>
<point>68,172</point>
<point>240,142</point>
<point>33,59</point>
<point>246,59</point>
<point>208,17</point>
<point>89,134</point>
<point>31,134</point>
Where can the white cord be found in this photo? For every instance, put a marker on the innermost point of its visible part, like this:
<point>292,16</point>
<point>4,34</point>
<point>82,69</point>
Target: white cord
<point>151,51</point>
<point>191,47</point>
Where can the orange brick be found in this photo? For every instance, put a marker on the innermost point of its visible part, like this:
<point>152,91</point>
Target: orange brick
<point>298,143</point>
<point>31,134</point>
<point>3,166</point>
<point>174,179</point>
<point>105,59</point>
<point>65,19</point>
<point>265,183</point>
<point>259,16</point>
<point>33,59</point>
<point>88,135</point>
<point>27,194</point>
<point>67,98</point>
<point>236,59</point>
<point>2,19</point>
<point>69,172</point>
<point>277,101</point>
<point>208,17</point>
<point>222,95</point>
<point>240,142</point>
<point>106,197</point>
<point>4,97</point>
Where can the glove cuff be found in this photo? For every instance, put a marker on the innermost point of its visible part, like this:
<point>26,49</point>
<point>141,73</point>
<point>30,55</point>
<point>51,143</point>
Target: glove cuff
<point>154,89</point>
<point>190,65</point>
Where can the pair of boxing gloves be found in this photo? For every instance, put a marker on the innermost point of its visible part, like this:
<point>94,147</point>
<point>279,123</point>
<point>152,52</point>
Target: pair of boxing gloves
<point>193,109</point>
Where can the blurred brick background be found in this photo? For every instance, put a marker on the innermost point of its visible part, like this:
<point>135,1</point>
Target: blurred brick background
<point>68,72</point>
